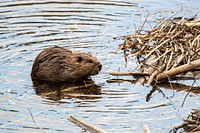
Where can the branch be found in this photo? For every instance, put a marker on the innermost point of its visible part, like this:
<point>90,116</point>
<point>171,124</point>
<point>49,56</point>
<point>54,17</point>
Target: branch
<point>85,125</point>
<point>134,74</point>
<point>178,70</point>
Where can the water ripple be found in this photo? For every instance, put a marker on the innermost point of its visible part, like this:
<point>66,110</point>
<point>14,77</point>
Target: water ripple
<point>29,26</point>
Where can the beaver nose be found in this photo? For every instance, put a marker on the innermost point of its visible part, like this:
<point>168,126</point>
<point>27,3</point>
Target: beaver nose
<point>99,66</point>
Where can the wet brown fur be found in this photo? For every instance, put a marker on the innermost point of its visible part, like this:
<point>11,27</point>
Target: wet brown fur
<point>57,64</point>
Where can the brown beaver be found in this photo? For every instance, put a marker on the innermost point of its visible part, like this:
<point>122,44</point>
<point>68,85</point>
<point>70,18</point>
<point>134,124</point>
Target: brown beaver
<point>57,64</point>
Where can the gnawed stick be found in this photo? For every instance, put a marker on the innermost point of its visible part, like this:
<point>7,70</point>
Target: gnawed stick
<point>85,125</point>
<point>134,74</point>
<point>178,70</point>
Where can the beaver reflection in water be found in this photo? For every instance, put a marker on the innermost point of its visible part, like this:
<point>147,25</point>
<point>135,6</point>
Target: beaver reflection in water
<point>57,64</point>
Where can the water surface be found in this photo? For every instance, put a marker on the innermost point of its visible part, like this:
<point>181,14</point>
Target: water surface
<point>27,27</point>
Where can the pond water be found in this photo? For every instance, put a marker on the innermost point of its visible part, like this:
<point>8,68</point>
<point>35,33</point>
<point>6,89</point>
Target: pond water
<point>27,27</point>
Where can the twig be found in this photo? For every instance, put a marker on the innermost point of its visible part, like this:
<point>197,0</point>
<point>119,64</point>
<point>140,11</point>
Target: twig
<point>164,42</point>
<point>77,87</point>
<point>196,129</point>
<point>85,125</point>
<point>154,74</point>
<point>187,93</point>
<point>142,26</point>
<point>192,24</point>
<point>135,74</point>
<point>119,81</point>
<point>35,122</point>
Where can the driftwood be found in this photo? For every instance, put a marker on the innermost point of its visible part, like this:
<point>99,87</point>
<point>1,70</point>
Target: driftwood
<point>85,125</point>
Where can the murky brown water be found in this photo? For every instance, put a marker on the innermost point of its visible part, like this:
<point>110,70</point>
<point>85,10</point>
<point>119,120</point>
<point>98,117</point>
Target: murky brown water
<point>27,27</point>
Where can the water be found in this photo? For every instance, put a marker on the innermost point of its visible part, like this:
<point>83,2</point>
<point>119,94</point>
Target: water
<point>27,27</point>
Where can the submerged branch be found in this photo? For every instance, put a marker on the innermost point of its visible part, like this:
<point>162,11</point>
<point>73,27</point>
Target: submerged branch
<point>85,125</point>
<point>35,122</point>
<point>134,74</point>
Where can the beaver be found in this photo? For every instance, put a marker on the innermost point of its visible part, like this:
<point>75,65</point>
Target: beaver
<point>57,64</point>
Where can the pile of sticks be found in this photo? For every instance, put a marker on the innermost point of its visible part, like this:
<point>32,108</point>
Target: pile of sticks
<point>171,48</point>
<point>190,124</point>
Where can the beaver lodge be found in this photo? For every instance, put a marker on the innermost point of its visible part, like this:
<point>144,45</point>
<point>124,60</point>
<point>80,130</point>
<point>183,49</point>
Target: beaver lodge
<point>166,52</point>
<point>191,124</point>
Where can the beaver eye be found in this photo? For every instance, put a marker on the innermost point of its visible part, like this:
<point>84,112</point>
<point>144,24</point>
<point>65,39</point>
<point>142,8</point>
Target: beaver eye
<point>90,61</point>
<point>79,59</point>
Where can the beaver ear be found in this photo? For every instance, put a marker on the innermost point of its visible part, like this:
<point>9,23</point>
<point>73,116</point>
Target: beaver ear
<point>79,59</point>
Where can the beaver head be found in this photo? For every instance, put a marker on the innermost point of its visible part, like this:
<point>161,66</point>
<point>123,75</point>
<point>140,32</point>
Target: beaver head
<point>57,64</point>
